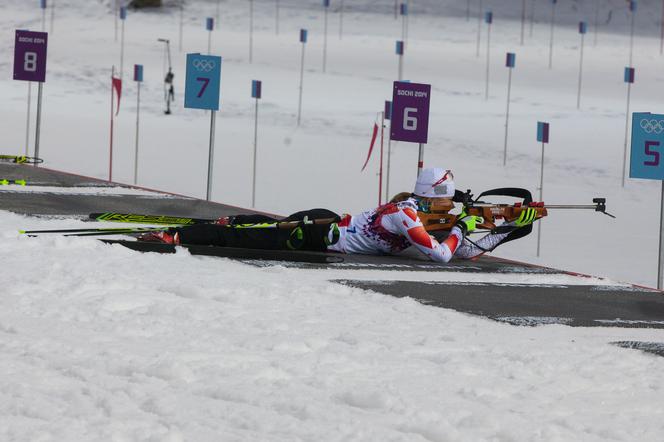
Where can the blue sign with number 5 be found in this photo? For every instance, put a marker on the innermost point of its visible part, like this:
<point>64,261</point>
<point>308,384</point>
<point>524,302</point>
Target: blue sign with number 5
<point>647,154</point>
<point>203,83</point>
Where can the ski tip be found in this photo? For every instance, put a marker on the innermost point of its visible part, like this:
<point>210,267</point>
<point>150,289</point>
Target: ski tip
<point>22,232</point>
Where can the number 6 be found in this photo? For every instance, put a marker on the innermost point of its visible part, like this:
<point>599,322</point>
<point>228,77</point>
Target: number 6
<point>409,121</point>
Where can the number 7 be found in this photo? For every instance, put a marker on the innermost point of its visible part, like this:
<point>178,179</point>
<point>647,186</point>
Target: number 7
<point>205,81</point>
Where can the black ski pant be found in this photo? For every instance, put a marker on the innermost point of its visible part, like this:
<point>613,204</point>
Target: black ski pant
<point>240,234</point>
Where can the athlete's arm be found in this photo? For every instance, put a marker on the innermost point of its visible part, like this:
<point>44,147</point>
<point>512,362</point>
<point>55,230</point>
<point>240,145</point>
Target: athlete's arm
<point>409,225</point>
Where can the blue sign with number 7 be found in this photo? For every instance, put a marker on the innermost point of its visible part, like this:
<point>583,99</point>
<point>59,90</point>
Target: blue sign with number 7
<point>647,154</point>
<point>203,83</point>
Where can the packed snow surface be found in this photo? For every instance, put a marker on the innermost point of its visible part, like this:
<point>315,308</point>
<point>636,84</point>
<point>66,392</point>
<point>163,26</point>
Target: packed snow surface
<point>99,342</point>
<point>102,343</point>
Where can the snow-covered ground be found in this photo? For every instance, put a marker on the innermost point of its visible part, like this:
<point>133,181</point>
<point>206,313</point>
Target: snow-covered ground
<point>100,343</point>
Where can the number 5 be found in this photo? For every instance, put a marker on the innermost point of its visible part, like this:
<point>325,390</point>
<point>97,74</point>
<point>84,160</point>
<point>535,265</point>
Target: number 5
<point>409,121</point>
<point>653,153</point>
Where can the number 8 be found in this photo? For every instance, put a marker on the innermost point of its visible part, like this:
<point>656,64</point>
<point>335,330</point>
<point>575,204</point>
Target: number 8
<point>30,62</point>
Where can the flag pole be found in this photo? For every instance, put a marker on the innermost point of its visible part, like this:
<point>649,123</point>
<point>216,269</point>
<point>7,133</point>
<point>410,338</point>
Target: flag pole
<point>303,40</point>
<point>380,169</point>
<point>582,31</point>
<point>596,22</point>
<point>110,162</point>
<point>479,27</point>
<point>326,6</point>
<point>181,25</point>
<point>632,9</point>
<point>251,31</point>
<point>277,17</point>
<point>27,122</point>
<point>510,63</point>
<point>341,20</point>
<point>523,20</point>
<point>553,20</point>
<point>629,90</point>
<point>541,198</point>
<point>532,18</point>
<point>488,18</point>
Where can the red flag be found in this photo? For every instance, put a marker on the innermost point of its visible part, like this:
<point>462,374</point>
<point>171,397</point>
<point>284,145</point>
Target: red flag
<point>371,146</point>
<point>117,87</point>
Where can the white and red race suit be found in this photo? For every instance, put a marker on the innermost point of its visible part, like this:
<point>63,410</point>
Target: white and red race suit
<point>393,227</point>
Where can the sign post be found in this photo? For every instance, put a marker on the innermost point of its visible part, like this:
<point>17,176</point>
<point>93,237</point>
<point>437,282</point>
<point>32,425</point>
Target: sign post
<point>326,7</point>
<point>410,115</point>
<point>510,62</point>
<point>203,85</point>
<point>553,24</point>
<point>123,17</point>
<point>138,78</point>
<point>399,52</point>
<point>543,137</point>
<point>388,116</point>
<point>209,26</point>
<point>488,18</point>
<point>583,28</point>
<point>647,163</point>
<point>256,92</point>
<point>30,50</point>
<point>629,79</point>
<point>303,40</point>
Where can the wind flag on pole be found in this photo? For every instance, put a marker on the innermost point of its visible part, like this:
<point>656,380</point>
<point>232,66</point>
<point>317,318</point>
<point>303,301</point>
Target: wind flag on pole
<point>542,132</point>
<point>629,75</point>
<point>374,135</point>
<point>117,87</point>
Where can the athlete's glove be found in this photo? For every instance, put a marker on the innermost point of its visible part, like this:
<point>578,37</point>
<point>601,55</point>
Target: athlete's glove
<point>526,218</point>
<point>468,223</point>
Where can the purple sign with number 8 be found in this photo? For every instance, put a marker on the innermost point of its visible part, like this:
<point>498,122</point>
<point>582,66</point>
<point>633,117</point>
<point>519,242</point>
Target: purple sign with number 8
<point>30,56</point>
<point>410,112</point>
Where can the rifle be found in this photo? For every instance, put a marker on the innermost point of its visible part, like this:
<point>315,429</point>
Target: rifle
<point>438,218</point>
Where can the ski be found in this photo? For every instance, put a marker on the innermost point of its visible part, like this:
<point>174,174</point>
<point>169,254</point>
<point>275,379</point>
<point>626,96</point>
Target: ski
<point>92,232</point>
<point>20,159</point>
<point>232,252</point>
<point>138,218</point>
<point>6,182</point>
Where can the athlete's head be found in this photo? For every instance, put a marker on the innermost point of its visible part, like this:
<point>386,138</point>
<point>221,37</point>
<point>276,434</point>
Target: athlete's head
<point>433,184</point>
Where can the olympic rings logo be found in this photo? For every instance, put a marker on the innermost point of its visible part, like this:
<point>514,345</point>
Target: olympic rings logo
<point>652,126</point>
<point>204,65</point>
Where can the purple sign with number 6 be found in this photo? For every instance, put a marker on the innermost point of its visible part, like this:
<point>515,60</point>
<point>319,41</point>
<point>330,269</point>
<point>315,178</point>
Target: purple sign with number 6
<point>410,112</point>
<point>30,56</point>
